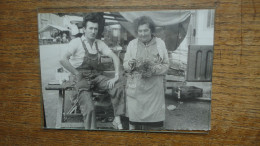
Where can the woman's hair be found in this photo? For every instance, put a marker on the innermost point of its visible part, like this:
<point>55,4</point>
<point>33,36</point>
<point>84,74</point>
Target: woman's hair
<point>144,20</point>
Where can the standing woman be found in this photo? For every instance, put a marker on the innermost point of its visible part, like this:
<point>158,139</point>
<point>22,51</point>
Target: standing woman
<point>146,62</point>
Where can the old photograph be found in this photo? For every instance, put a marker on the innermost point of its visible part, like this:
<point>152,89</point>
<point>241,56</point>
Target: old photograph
<point>134,70</point>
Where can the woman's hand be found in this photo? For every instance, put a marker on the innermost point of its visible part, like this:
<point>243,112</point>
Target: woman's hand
<point>147,74</point>
<point>132,63</point>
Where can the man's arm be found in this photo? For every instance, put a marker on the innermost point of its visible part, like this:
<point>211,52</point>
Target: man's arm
<point>67,65</point>
<point>116,61</point>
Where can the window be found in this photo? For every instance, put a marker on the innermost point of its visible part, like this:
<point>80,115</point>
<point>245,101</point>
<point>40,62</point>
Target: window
<point>200,61</point>
<point>210,22</point>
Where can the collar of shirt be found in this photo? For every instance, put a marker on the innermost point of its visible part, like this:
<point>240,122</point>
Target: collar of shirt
<point>151,42</point>
<point>91,49</point>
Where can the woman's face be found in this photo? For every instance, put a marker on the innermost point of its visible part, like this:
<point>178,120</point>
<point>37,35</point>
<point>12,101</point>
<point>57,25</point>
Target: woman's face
<point>144,33</point>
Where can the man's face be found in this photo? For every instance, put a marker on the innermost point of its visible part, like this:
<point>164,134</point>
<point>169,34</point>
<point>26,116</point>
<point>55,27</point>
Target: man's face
<point>144,33</point>
<point>91,30</point>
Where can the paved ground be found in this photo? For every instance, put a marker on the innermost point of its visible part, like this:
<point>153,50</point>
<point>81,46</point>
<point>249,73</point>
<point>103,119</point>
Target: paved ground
<point>186,115</point>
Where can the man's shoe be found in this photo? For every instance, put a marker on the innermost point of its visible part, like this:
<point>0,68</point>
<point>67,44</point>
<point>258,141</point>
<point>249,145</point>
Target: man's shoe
<point>118,126</point>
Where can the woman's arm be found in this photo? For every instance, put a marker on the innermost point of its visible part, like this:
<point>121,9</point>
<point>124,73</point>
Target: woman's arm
<point>162,68</point>
<point>128,58</point>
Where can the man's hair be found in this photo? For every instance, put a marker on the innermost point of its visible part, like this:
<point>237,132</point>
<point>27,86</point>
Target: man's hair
<point>95,18</point>
<point>144,20</point>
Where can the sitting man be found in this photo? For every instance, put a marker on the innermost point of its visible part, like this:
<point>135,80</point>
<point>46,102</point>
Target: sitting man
<point>82,60</point>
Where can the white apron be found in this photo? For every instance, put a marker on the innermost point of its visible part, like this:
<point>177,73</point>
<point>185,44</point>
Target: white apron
<point>145,96</point>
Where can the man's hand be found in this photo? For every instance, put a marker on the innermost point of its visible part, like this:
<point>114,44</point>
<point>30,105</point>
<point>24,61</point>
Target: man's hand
<point>111,82</point>
<point>78,76</point>
<point>132,63</point>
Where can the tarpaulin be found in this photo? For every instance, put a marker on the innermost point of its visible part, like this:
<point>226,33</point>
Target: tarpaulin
<point>171,25</point>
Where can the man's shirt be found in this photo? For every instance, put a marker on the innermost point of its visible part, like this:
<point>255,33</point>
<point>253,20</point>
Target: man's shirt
<point>78,52</point>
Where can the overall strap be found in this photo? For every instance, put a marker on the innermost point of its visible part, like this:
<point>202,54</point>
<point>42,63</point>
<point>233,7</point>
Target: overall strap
<point>99,52</point>
<point>84,46</point>
<point>87,53</point>
<point>97,47</point>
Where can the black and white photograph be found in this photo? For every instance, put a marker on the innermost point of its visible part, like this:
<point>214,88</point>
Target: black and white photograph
<point>127,71</point>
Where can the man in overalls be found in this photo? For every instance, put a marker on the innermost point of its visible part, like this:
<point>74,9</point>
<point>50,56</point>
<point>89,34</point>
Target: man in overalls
<point>82,61</point>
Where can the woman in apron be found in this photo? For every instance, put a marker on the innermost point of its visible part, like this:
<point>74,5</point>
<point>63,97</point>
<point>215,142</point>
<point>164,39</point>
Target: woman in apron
<point>146,62</point>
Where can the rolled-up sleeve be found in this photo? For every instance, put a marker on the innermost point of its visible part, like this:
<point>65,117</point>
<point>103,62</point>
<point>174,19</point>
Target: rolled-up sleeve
<point>73,45</point>
<point>105,50</point>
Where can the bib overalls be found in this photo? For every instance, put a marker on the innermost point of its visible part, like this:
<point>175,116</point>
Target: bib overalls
<point>92,80</point>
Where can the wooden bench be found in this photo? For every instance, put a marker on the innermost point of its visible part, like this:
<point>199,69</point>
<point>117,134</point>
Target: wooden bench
<point>104,110</point>
<point>60,108</point>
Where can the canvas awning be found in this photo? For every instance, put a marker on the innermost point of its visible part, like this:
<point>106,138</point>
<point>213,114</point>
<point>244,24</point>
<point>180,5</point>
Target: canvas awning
<point>172,25</point>
<point>50,27</point>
